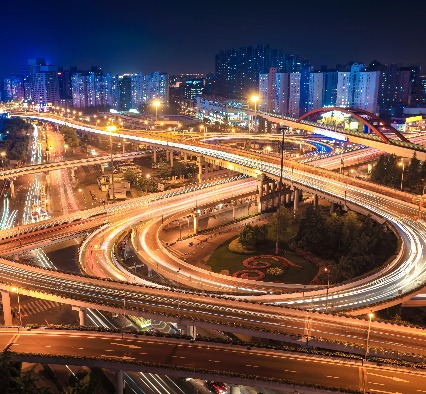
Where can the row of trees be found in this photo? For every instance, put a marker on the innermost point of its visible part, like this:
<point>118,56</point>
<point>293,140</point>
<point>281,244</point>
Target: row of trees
<point>388,171</point>
<point>356,243</point>
<point>137,180</point>
<point>14,139</point>
<point>13,380</point>
<point>70,136</point>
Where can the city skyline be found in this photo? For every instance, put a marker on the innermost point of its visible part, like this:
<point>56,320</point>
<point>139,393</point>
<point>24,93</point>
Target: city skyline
<point>185,38</point>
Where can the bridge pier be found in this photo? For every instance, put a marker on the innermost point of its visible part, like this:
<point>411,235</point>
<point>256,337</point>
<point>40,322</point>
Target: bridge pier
<point>260,183</point>
<point>102,168</point>
<point>119,381</point>
<point>12,188</point>
<point>195,216</point>
<point>315,200</point>
<point>7,309</point>
<point>332,207</point>
<point>296,199</point>
<point>171,158</point>
<point>81,314</point>
<point>154,159</point>
<point>187,329</point>
<point>235,389</point>
<point>73,172</point>
<point>200,161</point>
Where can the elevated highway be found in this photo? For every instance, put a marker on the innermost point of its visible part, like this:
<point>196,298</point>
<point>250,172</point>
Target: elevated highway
<point>46,167</point>
<point>392,146</point>
<point>397,280</point>
<point>272,369</point>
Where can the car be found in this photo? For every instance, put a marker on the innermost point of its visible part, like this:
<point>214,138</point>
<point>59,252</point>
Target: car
<point>216,387</point>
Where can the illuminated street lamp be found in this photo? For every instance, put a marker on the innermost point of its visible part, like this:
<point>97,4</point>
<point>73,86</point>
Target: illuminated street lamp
<point>111,129</point>
<point>16,290</point>
<point>401,164</point>
<point>156,104</point>
<point>2,155</point>
<point>370,316</point>
<point>255,99</point>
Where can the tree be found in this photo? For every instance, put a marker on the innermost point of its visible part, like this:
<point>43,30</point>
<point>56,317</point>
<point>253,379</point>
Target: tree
<point>412,174</point>
<point>131,176</point>
<point>83,383</point>
<point>70,136</point>
<point>13,380</point>
<point>252,236</point>
<point>286,217</point>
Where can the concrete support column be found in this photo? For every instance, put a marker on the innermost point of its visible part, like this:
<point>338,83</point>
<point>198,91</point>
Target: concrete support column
<point>12,188</point>
<point>155,156</point>
<point>260,183</point>
<point>296,199</point>
<point>171,158</point>
<point>185,158</point>
<point>119,381</point>
<point>102,168</point>
<point>233,212</point>
<point>200,168</point>
<point>192,331</point>
<point>7,310</point>
<point>332,207</point>
<point>195,216</point>
<point>73,172</point>
<point>235,389</point>
<point>82,316</point>
<point>315,200</point>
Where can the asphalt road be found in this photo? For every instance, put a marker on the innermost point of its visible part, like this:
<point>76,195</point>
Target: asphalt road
<point>222,359</point>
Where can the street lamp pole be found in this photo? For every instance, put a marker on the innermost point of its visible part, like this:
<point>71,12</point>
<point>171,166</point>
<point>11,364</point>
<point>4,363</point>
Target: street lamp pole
<point>401,163</point>
<point>156,104</point>
<point>112,128</point>
<point>370,316</point>
<point>328,287</point>
<point>16,290</point>
<point>280,185</point>
<point>255,100</point>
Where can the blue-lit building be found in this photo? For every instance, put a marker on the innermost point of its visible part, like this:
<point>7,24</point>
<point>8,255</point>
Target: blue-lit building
<point>237,70</point>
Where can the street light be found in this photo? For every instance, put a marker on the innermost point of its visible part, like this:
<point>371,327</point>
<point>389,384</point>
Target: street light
<point>280,185</point>
<point>401,164</point>
<point>255,99</point>
<point>111,129</point>
<point>3,155</point>
<point>156,104</point>
<point>370,316</point>
<point>16,290</point>
<point>328,287</point>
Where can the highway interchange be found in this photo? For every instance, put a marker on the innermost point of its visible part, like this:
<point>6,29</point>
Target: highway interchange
<point>405,276</point>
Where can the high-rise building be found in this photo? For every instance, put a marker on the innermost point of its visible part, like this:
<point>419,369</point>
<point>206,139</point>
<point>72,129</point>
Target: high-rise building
<point>316,90</point>
<point>237,70</point>
<point>14,89</point>
<point>44,82</point>
<point>330,88</point>
<point>90,89</point>
<point>155,87</point>
<point>124,93</point>
<point>136,86</point>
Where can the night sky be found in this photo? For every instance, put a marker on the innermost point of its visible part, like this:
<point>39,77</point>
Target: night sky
<point>183,36</point>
